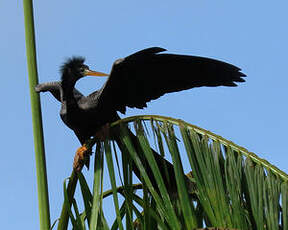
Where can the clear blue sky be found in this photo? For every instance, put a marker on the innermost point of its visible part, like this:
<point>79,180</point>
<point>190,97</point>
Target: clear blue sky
<point>250,34</point>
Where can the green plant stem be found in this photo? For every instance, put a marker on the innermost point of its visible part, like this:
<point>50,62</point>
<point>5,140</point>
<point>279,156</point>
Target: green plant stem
<point>43,199</point>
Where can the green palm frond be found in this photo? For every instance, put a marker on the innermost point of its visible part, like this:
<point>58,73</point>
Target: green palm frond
<point>228,186</point>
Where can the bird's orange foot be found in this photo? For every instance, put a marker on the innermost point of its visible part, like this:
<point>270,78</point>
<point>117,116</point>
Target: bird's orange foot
<point>103,133</point>
<point>81,157</point>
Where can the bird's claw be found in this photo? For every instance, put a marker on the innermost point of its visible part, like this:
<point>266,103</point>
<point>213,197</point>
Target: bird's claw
<point>81,157</point>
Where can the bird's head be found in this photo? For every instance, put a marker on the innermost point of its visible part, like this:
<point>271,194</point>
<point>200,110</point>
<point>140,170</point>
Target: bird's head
<point>74,69</point>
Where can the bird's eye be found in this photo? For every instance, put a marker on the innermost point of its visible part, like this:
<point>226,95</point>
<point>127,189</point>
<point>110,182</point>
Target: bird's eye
<point>83,68</point>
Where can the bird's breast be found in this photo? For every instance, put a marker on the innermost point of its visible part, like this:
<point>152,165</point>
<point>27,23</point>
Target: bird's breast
<point>86,122</point>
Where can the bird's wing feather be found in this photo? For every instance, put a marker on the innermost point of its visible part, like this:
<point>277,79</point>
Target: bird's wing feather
<point>148,74</point>
<point>89,102</point>
<point>56,90</point>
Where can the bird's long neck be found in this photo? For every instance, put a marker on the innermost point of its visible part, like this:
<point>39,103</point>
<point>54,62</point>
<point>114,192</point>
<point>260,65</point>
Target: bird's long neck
<point>68,85</point>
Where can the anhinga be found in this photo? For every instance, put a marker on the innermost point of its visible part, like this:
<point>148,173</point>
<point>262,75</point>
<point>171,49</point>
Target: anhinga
<point>133,81</point>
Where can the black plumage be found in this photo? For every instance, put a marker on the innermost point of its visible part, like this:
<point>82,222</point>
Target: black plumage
<point>149,74</point>
<point>133,81</point>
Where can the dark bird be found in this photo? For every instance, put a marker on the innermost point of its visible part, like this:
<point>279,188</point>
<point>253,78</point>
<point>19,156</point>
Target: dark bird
<point>133,81</point>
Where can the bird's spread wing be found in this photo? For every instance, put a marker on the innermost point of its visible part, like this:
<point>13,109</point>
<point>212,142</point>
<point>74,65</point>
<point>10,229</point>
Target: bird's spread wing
<point>148,74</point>
<point>56,90</point>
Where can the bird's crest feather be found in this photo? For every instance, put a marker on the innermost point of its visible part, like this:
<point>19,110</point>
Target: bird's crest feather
<point>71,63</point>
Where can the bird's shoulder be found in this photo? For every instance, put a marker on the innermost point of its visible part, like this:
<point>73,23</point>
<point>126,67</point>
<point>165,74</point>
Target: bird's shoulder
<point>90,101</point>
<point>136,57</point>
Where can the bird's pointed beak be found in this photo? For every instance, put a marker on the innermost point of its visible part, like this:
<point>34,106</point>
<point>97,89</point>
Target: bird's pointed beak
<point>89,72</point>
